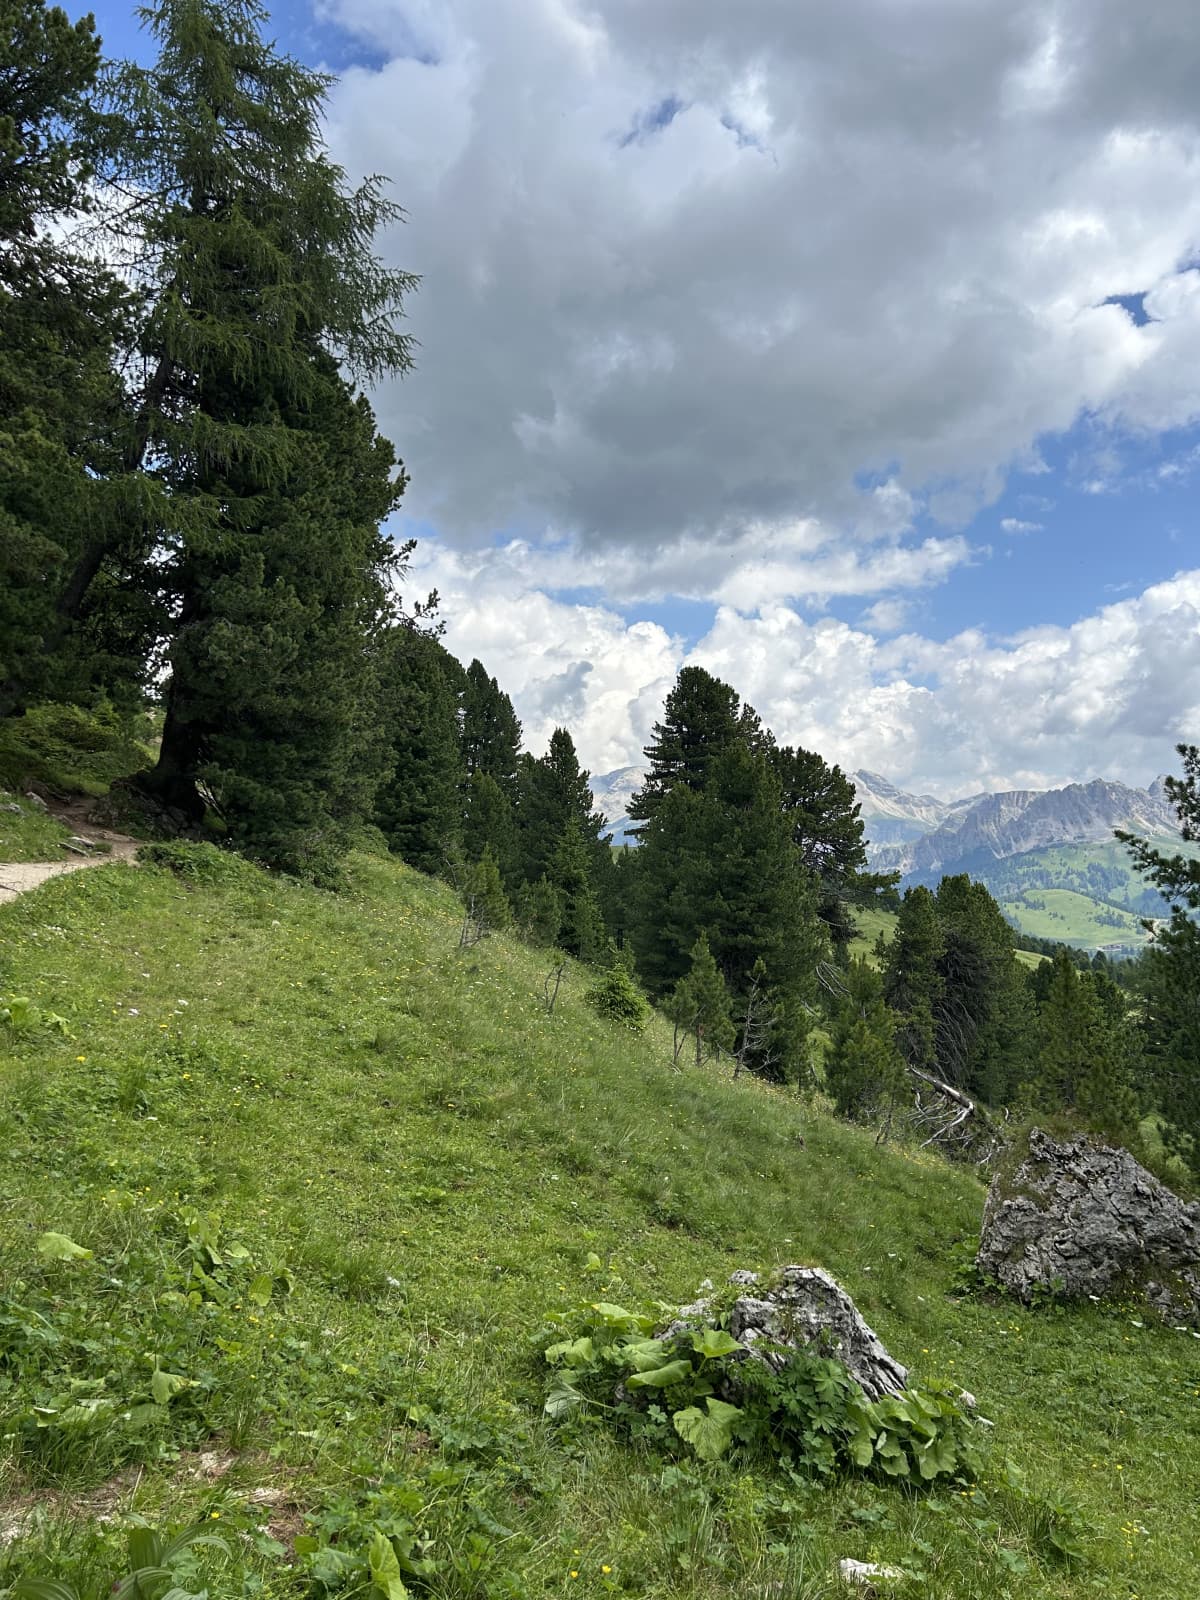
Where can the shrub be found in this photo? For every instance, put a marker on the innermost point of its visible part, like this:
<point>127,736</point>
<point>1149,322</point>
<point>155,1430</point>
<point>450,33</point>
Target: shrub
<point>617,997</point>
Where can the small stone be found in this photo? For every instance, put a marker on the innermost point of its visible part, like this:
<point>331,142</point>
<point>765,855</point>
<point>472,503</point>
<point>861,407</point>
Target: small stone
<point>864,1574</point>
<point>12,1525</point>
<point>266,1497</point>
<point>13,807</point>
<point>36,800</point>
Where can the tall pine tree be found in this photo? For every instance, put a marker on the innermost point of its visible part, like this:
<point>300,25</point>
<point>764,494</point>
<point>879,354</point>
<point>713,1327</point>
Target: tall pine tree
<point>63,410</point>
<point>1171,976</point>
<point>701,719</point>
<point>419,804</point>
<point>261,285</point>
<point>491,733</point>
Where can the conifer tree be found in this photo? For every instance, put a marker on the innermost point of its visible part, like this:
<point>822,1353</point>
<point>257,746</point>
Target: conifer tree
<point>581,930</point>
<point>1171,977</point>
<point>722,861</point>
<point>419,806</point>
<point>700,1004</point>
<point>62,406</point>
<point>491,733</point>
<point>912,979</point>
<point>982,1021</point>
<point>701,719</point>
<point>488,825</point>
<point>864,1072</point>
<point>551,790</point>
<point>827,830</point>
<point>486,908</point>
<point>1083,1058</point>
<point>260,288</point>
<point>539,912</point>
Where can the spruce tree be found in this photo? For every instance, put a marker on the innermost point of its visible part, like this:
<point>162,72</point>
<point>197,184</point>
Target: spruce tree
<point>491,733</point>
<point>581,930</point>
<point>260,289</point>
<point>700,1004</point>
<point>1083,1063</point>
<point>722,861</point>
<point>982,1021</point>
<point>419,806</point>
<point>1171,978</point>
<point>551,790</point>
<point>488,825</point>
<point>864,1072</point>
<point>912,978</point>
<point>701,719</point>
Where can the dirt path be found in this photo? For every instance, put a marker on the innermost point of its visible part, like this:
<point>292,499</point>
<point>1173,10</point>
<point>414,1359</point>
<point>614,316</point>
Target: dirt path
<point>18,877</point>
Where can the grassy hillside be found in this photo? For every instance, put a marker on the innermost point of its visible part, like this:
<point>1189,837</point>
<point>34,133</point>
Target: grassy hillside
<point>1073,918</point>
<point>27,833</point>
<point>872,921</point>
<point>335,1173</point>
<point>1102,871</point>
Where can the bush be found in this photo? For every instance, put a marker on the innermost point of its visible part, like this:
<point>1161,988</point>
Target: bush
<point>73,749</point>
<point>196,861</point>
<point>617,997</point>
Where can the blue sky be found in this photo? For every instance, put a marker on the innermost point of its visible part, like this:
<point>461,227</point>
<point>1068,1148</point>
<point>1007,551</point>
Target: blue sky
<point>874,390</point>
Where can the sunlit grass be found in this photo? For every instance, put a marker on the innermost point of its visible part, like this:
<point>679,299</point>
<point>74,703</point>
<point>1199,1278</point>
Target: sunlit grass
<point>402,1126</point>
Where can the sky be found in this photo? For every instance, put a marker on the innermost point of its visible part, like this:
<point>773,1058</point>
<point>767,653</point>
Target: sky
<point>849,349</point>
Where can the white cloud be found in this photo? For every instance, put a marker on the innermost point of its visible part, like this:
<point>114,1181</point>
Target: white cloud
<point>1018,525</point>
<point>1108,696</point>
<point>807,265</point>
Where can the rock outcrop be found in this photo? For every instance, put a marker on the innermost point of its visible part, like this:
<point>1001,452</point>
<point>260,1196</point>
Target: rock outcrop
<point>803,1308</point>
<point>1083,1219</point>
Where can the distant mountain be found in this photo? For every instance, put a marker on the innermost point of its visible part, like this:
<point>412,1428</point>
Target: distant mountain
<point>612,793</point>
<point>1048,855</point>
<point>892,817</point>
<point>992,827</point>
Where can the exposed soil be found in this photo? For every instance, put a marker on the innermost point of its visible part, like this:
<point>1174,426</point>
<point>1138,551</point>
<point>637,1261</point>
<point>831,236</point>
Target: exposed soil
<point>18,877</point>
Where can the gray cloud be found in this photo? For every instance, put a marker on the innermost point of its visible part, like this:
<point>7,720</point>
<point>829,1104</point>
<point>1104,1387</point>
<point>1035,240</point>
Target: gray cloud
<point>868,237</point>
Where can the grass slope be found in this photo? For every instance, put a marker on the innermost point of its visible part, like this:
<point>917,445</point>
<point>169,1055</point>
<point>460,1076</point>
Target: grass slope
<point>1074,919</point>
<point>28,833</point>
<point>330,1086</point>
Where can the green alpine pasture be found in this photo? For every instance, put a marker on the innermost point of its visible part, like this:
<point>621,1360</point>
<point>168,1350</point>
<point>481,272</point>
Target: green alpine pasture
<point>292,1187</point>
<point>1074,919</point>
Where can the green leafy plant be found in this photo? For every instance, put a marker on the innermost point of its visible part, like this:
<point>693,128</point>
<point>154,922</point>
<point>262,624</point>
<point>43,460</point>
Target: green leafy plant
<point>809,1414</point>
<point>162,1566</point>
<point>22,1016</point>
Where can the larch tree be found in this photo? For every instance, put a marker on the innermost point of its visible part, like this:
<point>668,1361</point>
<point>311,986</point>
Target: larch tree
<point>267,480</point>
<point>62,408</point>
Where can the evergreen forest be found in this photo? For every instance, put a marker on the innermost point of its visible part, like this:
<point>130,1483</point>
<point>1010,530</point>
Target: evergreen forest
<point>197,581</point>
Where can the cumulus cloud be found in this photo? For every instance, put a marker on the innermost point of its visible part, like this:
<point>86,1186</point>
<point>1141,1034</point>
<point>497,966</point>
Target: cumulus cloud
<point>692,271</point>
<point>1108,696</point>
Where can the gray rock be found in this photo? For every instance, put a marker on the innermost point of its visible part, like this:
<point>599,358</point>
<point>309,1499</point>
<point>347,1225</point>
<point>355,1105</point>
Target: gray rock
<point>1084,1219</point>
<point>865,1574</point>
<point>803,1308</point>
<point>37,800</point>
<point>13,807</point>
